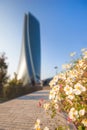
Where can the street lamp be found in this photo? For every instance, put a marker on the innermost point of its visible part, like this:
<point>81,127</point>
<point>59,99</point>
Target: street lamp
<point>56,69</point>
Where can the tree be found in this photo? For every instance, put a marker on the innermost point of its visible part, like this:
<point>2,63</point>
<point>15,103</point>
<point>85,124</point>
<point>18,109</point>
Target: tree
<point>3,71</point>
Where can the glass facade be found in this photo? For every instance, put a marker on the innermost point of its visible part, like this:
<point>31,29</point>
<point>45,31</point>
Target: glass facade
<point>30,59</point>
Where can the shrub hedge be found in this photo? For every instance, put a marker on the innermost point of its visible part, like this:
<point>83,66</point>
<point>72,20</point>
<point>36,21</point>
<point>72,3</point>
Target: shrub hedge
<point>12,91</point>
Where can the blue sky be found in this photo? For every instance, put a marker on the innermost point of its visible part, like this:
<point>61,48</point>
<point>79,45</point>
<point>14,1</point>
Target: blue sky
<point>63,26</point>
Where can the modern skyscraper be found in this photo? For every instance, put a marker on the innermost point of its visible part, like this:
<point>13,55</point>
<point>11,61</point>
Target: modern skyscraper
<point>30,59</point>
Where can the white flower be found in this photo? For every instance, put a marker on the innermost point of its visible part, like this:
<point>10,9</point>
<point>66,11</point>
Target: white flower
<point>46,128</point>
<point>72,54</point>
<point>82,112</point>
<point>37,124</point>
<point>52,83</point>
<point>62,76</point>
<point>66,66</point>
<point>73,114</point>
<point>71,96</point>
<point>56,106</point>
<point>83,49</point>
<point>85,54</point>
<point>56,88</point>
<point>52,94</point>
<point>84,121</point>
<point>58,97</point>
<point>81,63</point>
<point>55,78</point>
<point>78,89</point>
<point>46,106</point>
<point>68,90</point>
<point>38,121</point>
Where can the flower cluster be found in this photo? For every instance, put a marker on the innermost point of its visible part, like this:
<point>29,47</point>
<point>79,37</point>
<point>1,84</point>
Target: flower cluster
<point>70,89</point>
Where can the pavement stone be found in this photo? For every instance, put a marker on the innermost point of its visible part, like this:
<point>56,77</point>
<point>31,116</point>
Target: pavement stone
<point>22,112</point>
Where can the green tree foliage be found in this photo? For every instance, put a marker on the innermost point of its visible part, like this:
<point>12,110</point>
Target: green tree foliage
<point>13,88</point>
<point>15,81</point>
<point>3,71</point>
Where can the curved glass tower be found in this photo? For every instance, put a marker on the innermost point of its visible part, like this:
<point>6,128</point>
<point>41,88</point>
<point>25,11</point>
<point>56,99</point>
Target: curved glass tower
<point>30,58</point>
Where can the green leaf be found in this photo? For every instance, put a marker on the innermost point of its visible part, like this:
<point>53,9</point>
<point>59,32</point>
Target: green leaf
<point>81,128</point>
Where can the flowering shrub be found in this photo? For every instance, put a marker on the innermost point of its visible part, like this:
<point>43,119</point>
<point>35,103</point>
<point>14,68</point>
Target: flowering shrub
<point>69,92</point>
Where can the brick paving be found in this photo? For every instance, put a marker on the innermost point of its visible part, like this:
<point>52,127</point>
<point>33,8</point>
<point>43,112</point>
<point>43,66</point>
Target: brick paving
<point>21,113</point>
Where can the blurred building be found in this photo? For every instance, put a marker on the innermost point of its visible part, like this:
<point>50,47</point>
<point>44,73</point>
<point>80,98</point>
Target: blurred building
<point>30,58</point>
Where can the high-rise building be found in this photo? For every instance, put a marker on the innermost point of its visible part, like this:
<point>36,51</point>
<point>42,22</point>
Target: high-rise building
<point>30,59</point>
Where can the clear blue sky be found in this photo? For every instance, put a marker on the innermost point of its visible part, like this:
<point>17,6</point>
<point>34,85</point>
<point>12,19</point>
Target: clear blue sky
<point>63,25</point>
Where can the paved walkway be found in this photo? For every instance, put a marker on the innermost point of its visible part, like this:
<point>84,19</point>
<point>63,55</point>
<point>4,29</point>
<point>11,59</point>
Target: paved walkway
<point>21,113</point>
